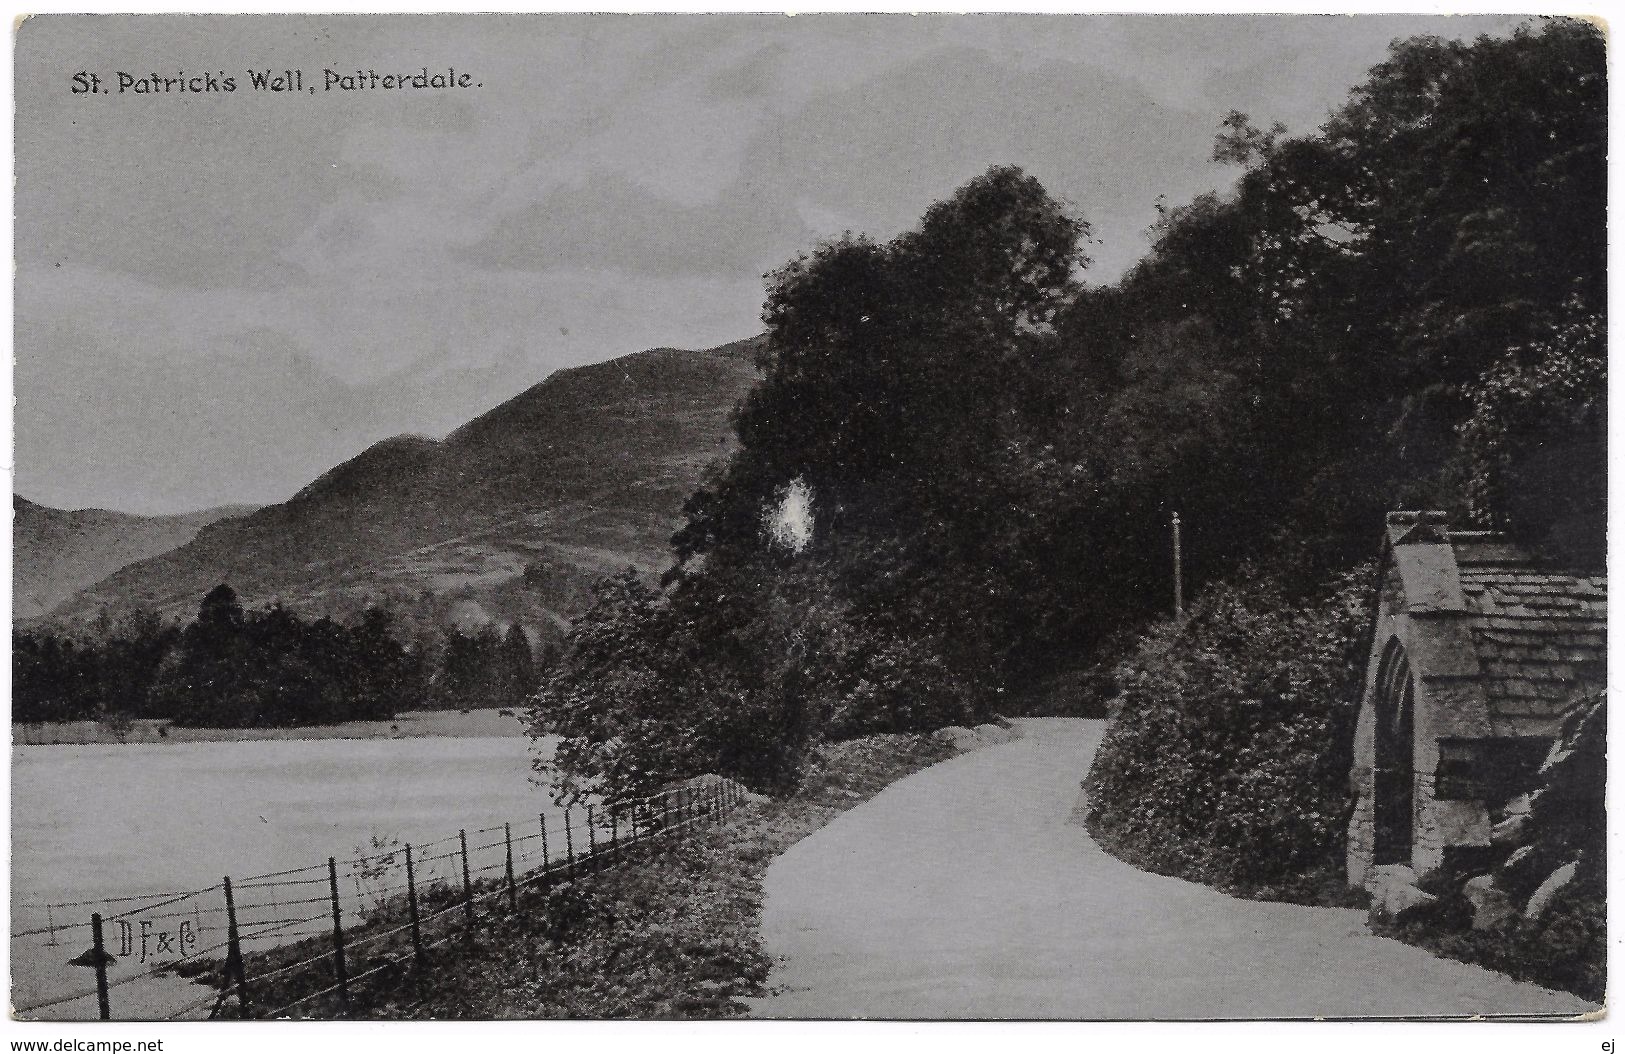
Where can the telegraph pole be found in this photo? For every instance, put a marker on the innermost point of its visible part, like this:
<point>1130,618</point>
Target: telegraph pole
<point>1179,574</point>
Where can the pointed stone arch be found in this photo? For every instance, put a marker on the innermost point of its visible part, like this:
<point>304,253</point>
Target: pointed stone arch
<point>1394,774</point>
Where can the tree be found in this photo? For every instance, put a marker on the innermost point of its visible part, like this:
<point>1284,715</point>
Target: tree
<point>898,386</point>
<point>1536,444</point>
<point>519,666</point>
<point>272,668</point>
<point>220,610</point>
<point>209,678</point>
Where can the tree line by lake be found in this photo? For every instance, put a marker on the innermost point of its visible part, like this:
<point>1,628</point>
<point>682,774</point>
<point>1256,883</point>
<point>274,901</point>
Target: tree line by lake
<point>236,667</point>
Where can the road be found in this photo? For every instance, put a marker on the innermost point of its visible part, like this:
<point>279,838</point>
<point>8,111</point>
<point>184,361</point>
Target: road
<point>968,891</point>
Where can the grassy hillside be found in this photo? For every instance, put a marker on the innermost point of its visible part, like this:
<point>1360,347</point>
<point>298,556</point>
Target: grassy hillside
<point>509,517</point>
<point>57,552</point>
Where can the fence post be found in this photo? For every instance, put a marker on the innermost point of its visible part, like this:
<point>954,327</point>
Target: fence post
<point>412,909</point>
<point>513,893</point>
<point>543,817</point>
<point>100,952</point>
<point>569,844</point>
<point>468,887</point>
<point>592,841</point>
<point>614,831</point>
<point>50,924</point>
<point>234,951</point>
<point>339,971</point>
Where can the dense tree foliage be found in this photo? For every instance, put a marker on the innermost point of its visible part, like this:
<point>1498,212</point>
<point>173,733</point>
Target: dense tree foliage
<point>238,669</point>
<point>894,380</point>
<point>1536,442</point>
<point>233,667</point>
<point>713,675</point>
<point>900,383</point>
<point>62,677</point>
<point>1294,359</point>
<point>484,667</point>
<point>1401,309</point>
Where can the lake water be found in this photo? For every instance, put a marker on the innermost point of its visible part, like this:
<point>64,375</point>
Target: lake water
<point>98,821</point>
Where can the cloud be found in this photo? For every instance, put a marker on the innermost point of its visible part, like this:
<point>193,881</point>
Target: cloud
<point>1097,140</point>
<point>756,76</point>
<point>217,299</point>
<point>610,223</point>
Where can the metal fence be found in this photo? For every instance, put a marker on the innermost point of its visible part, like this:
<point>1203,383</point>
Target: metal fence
<point>375,914</point>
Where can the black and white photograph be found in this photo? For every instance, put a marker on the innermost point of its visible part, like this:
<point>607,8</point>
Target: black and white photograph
<point>665,517</point>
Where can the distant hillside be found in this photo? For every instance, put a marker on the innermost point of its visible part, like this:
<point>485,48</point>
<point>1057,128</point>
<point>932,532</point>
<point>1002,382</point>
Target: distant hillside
<point>510,517</point>
<point>57,552</point>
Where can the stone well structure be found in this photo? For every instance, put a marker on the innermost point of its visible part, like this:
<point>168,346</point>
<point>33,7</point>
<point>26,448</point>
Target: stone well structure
<point>1480,650</point>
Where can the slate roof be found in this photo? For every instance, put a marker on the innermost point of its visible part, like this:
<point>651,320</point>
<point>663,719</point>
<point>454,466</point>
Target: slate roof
<point>1540,632</point>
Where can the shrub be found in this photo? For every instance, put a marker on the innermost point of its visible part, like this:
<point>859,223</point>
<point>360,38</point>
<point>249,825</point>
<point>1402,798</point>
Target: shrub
<point>1227,757</point>
<point>655,687</point>
<point>725,673</point>
<point>896,685</point>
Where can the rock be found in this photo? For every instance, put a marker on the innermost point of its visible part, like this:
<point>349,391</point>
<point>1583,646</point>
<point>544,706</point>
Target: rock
<point>1519,806</point>
<point>1400,901</point>
<point>1542,898</point>
<point>991,733</point>
<point>1491,905</point>
<point>1002,721</point>
<point>1525,869</point>
<point>1510,831</point>
<point>1393,890</point>
<point>957,736</point>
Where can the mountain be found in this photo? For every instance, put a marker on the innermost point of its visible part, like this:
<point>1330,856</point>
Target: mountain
<point>508,518</point>
<point>57,552</point>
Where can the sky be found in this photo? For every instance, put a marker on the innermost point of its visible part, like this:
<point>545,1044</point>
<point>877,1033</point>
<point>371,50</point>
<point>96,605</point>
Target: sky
<point>220,296</point>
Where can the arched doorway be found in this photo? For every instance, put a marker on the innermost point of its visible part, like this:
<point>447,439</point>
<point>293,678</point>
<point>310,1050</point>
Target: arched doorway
<point>1394,782</point>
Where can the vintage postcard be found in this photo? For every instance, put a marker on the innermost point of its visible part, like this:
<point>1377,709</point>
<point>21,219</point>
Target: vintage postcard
<point>1000,517</point>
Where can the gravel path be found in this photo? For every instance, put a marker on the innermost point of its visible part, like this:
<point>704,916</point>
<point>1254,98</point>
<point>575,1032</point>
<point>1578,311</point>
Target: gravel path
<point>964,891</point>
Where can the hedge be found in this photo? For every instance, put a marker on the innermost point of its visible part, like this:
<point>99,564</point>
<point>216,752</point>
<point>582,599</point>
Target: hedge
<point>1226,760</point>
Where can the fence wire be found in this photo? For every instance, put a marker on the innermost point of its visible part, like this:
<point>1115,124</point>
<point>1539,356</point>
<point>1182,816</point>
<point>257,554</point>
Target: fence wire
<point>397,900</point>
